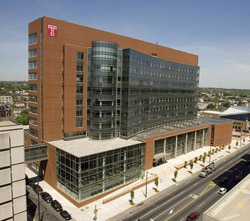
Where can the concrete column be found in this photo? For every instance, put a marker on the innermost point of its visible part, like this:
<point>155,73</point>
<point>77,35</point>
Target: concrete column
<point>165,141</point>
<point>176,144</point>
<point>203,137</point>
<point>125,168</point>
<point>186,143</point>
<point>103,173</point>
<point>195,135</point>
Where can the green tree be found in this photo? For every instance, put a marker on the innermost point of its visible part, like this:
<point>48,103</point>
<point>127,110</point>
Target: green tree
<point>229,147</point>
<point>23,117</point>
<point>185,164</point>
<point>237,143</point>
<point>203,159</point>
<point>156,182</point>
<point>195,159</point>
<point>132,195</point>
<point>191,165</point>
<point>211,106</point>
<point>175,174</point>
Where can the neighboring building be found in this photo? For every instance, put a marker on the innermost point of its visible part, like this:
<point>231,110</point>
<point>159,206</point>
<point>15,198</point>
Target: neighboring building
<point>240,117</point>
<point>12,175</point>
<point>209,113</point>
<point>6,112</point>
<point>109,107</point>
<point>6,100</point>
<point>233,206</point>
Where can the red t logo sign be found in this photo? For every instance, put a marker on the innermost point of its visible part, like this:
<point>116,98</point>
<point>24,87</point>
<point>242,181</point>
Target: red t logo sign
<point>52,30</point>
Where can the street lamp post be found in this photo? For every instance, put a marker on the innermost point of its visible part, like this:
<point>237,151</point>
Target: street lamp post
<point>146,187</point>
<point>210,154</point>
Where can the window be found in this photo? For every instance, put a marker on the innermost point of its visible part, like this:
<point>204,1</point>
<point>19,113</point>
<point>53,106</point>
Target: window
<point>80,55</point>
<point>79,66</point>
<point>32,87</point>
<point>79,113</point>
<point>32,64</point>
<point>79,101</point>
<point>33,132</point>
<point>32,98</point>
<point>32,39</point>
<point>33,110</point>
<point>32,53</point>
<point>33,121</point>
<point>32,76</point>
<point>79,89</point>
<point>79,78</point>
<point>78,123</point>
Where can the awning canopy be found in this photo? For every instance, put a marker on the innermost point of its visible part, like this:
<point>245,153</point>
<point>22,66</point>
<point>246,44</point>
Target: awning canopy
<point>161,156</point>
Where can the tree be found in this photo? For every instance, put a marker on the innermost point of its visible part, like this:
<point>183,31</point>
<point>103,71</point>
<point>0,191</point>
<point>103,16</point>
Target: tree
<point>156,182</point>
<point>211,106</point>
<point>229,147</point>
<point>237,143</point>
<point>203,159</point>
<point>132,195</point>
<point>185,164</point>
<point>200,157</point>
<point>175,174</point>
<point>23,117</point>
<point>191,164</point>
<point>244,140</point>
<point>195,159</point>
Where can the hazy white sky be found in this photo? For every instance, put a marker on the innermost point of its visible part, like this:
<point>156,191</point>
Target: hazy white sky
<point>216,30</point>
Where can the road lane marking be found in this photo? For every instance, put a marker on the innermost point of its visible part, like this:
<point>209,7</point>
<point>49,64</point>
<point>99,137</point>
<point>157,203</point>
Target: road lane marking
<point>162,204</point>
<point>203,192</point>
<point>171,207</point>
<point>201,204</point>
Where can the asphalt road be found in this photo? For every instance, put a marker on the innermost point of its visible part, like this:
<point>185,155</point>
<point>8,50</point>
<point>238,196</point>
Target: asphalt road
<point>195,194</point>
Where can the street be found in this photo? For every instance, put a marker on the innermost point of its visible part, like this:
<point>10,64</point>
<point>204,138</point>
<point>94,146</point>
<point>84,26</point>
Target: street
<point>195,194</point>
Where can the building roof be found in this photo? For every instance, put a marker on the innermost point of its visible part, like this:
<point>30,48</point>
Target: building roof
<point>182,126</point>
<point>85,146</point>
<point>212,112</point>
<point>235,110</point>
<point>234,205</point>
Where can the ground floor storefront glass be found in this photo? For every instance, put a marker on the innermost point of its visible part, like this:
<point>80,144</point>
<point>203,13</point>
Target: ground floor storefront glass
<point>88,176</point>
<point>174,146</point>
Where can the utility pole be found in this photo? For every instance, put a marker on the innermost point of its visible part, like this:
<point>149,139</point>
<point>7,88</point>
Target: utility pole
<point>39,215</point>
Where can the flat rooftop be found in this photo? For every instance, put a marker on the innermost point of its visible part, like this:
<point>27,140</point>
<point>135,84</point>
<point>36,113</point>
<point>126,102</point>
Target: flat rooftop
<point>85,146</point>
<point>181,126</point>
<point>9,125</point>
<point>235,205</point>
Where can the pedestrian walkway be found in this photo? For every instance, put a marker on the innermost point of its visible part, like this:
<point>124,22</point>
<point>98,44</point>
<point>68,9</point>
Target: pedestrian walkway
<point>165,172</point>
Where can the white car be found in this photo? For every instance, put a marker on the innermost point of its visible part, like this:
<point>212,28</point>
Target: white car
<point>222,190</point>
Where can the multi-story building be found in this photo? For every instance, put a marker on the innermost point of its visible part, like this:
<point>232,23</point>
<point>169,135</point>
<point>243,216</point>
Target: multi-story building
<point>6,100</point>
<point>12,175</point>
<point>101,102</point>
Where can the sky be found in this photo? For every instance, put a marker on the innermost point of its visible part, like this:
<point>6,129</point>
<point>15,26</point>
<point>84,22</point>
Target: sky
<point>218,31</point>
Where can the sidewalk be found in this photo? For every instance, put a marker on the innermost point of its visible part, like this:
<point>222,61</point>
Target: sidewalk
<point>165,172</point>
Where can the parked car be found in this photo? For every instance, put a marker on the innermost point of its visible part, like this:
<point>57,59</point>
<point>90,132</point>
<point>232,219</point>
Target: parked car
<point>56,206</point>
<point>46,197</point>
<point>65,215</point>
<point>224,180</point>
<point>222,191</point>
<point>193,216</point>
<point>247,162</point>
<point>37,188</point>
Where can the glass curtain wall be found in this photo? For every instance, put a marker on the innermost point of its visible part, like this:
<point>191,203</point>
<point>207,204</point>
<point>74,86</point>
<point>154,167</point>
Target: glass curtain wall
<point>85,177</point>
<point>156,92</point>
<point>102,90</point>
